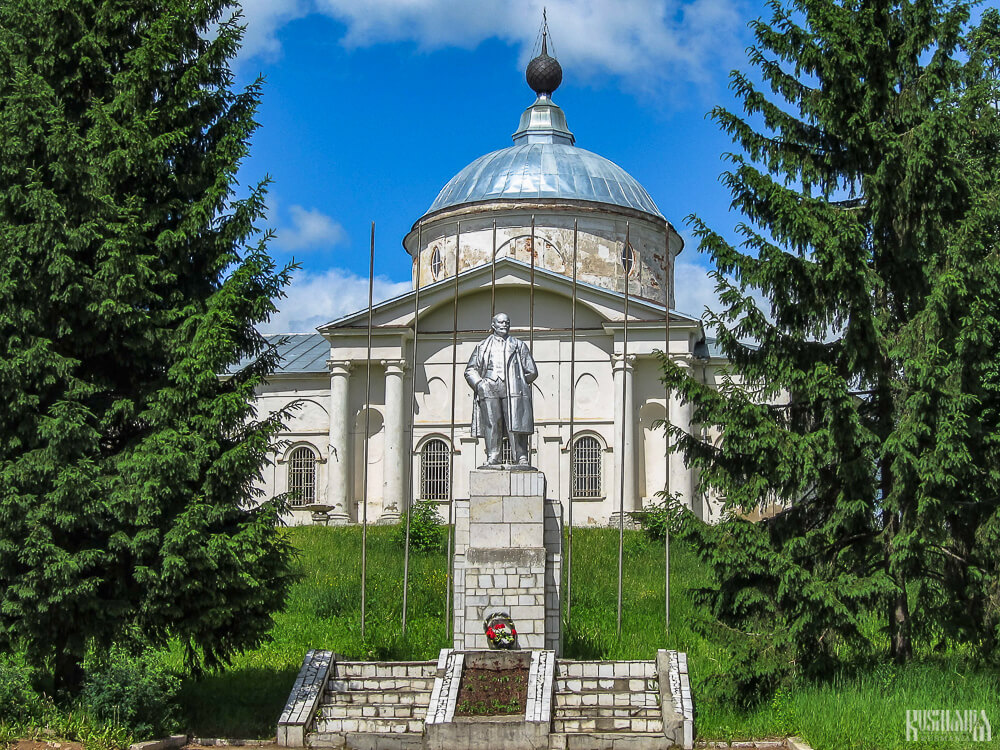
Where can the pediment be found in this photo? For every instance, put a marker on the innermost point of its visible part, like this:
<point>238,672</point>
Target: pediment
<point>478,294</point>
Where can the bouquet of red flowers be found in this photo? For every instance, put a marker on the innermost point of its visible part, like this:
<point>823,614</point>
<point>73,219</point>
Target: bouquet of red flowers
<point>500,630</point>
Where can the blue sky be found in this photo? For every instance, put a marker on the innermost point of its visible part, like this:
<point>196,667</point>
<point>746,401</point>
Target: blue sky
<point>369,109</point>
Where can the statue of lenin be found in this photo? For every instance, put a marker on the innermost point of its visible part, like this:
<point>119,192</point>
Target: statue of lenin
<point>501,371</point>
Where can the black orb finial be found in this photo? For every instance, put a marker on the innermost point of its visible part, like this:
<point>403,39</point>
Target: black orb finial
<point>544,73</point>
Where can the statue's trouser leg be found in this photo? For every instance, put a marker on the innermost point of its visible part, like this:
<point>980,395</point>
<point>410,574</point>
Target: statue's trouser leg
<point>519,446</point>
<point>492,423</point>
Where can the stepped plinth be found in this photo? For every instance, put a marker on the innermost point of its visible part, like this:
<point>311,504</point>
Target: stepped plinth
<point>508,557</point>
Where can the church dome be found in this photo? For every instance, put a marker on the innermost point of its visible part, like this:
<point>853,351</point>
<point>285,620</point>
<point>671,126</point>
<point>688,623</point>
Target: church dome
<point>544,163</point>
<point>546,202</point>
<point>544,170</point>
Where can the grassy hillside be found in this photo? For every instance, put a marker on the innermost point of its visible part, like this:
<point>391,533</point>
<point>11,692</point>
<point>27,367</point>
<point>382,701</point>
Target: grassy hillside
<point>865,712</point>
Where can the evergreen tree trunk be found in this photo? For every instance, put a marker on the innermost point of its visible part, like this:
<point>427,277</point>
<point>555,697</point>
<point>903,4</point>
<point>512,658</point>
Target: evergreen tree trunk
<point>900,644</point>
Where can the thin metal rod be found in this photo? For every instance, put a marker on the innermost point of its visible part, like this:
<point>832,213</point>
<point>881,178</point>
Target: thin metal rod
<point>368,417</point>
<point>531,326</point>
<point>493,278</point>
<point>627,253</point>
<point>449,576</point>
<point>409,493</point>
<point>531,292</point>
<point>572,448</point>
<point>668,287</point>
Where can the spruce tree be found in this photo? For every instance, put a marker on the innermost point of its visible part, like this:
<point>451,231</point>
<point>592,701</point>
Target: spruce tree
<point>866,400</point>
<point>131,276</point>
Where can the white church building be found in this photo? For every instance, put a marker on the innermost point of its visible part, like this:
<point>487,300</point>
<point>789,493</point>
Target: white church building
<point>501,236</point>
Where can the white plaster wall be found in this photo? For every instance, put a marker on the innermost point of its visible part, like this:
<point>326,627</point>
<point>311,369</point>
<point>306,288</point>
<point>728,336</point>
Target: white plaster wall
<point>435,376</point>
<point>308,423</point>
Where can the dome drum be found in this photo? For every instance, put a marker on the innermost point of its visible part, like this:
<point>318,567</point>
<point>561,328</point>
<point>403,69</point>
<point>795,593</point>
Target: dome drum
<point>600,244</point>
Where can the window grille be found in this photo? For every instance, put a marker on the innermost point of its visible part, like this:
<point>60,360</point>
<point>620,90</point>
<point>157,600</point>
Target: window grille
<point>629,260</point>
<point>436,263</point>
<point>586,468</point>
<point>302,476</point>
<point>435,482</point>
<point>507,453</point>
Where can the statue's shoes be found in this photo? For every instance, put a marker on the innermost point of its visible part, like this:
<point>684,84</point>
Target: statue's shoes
<point>492,467</point>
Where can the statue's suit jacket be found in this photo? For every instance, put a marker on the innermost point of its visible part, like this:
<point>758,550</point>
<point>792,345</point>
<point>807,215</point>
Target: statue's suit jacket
<point>520,374</point>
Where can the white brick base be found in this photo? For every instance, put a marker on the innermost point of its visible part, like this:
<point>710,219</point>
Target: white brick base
<point>508,556</point>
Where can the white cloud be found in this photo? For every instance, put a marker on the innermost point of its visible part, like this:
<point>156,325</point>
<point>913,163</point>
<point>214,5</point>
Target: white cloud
<point>314,299</point>
<point>649,40</point>
<point>263,18</point>
<point>694,289</point>
<point>309,228</point>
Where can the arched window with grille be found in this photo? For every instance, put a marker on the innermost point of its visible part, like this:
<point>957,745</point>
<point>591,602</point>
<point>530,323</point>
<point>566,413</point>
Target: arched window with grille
<point>586,468</point>
<point>437,265</point>
<point>630,260</point>
<point>302,476</point>
<point>435,479</point>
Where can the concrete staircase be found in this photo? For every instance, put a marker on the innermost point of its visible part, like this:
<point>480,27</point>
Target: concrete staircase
<point>365,700</point>
<point>593,705</point>
<point>606,704</point>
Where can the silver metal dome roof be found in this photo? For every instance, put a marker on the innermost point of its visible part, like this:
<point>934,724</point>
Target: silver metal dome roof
<point>544,163</point>
<point>544,170</point>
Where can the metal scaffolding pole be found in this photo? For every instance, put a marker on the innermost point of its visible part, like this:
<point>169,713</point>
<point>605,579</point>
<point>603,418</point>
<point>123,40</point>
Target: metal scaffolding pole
<point>627,268</point>
<point>413,411</point>
<point>451,454</point>
<point>493,276</point>
<point>531,293</point>
<point>368,414</point>
<point>531,324</point>
<point>668,287</point>
<point>572,415</point>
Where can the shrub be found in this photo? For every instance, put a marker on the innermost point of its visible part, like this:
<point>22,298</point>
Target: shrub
<point>426,529</point>
<point>19,702</point>
<point>135,691</point>
<point>655,519</point>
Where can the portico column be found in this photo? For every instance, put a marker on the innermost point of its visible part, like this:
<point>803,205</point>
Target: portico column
<point>338,466</point>
<point>681,477</point>
<point>392,464</point>
<point>622,367</point>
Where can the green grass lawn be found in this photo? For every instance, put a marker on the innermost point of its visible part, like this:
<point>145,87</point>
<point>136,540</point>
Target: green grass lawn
<point>324,612</point>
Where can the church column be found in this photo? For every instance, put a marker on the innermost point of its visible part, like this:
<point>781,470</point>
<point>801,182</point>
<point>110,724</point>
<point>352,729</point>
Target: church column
<point>339,465</point>
<point>681,477</point>
<point>392,463</point>
<point>623,367</point>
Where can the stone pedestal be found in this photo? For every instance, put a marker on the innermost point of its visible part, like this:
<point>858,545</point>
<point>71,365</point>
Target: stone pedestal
<point>508,556</point>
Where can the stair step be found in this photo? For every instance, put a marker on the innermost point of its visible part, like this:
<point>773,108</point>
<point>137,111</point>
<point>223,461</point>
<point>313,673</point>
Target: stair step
<point>618,740</point>
<point>399,741</point>
<point>355,669</point>
<point>604,684</point>
<point>624,712</point>
<point>373,711</point>
<point>607,724</point>
<point>594,669</point>
<point>607,699</point>
<point>381,684</point>
<point>386,725</point>
<point>400,697</point>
